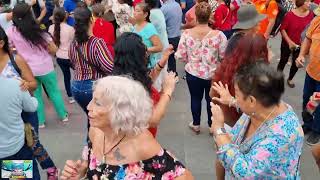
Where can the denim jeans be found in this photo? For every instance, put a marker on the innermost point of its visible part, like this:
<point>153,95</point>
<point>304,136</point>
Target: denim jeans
<point>197,87</point>
<point>39,152</point>
<point>82,93</point>
<point>25,153</point>
<point>172,66</point>
<point>65,66</point>
<point>310,86</point>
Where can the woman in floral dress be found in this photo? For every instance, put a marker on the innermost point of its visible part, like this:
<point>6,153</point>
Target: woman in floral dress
<point>121,146</point>
<point>201,48</point>
<point>123,12</point>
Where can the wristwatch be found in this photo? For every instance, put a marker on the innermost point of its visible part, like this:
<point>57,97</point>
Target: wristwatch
<point>220,131</point>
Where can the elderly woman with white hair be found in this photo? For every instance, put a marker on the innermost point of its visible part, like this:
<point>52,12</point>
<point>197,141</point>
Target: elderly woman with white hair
<point>121,146</point>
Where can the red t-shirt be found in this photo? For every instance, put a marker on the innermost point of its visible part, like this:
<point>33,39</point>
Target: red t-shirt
<point>222,18</point>
<point>104,29</point>
<point>234,14</point>
<point>317,2</point>
<point>155,96</point>
<point>294,25</point>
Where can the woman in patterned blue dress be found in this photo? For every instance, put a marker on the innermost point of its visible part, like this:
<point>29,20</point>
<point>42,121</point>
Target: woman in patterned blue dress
<point>267,140</point>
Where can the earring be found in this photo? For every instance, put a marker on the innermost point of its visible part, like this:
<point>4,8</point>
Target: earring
<point>253,114</point>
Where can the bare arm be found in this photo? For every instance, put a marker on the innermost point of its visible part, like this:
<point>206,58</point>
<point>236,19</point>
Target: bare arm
<point>186,176</point>
<point>42,13</point>
<point>154,73</point>
<point>157,45</point>
<point>305,47</point>
<point>161,107</point>
<point>52,48</point>
<point>316,154</point>
<point>269,28</point>
<point>288,39</point>
<point>220,172</point>
<point>29,82</point>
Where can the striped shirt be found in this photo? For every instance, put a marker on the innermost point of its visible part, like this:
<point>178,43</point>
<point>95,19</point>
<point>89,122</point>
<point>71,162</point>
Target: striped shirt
<point>96,52</point>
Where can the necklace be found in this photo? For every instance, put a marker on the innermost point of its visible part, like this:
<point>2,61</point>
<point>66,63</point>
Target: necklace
<point>266,118</point>
<point>104,144</point>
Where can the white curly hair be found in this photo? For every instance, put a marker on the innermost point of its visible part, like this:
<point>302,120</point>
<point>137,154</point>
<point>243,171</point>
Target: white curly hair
<point>129,104</point>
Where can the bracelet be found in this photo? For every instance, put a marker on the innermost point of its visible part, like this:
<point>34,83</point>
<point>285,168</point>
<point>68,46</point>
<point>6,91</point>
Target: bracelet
<point>159,65</point>
<point>168,96</point>
<point>232,102</point>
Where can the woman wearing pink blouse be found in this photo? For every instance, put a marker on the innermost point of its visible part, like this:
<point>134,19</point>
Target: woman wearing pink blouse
<point>201,48</point>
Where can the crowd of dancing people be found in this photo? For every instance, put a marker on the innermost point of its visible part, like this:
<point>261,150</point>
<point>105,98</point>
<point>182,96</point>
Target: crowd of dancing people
<point>119,60</point>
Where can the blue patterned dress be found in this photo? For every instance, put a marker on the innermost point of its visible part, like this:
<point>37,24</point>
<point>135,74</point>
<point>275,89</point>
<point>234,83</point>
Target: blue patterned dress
<point>273,152</point>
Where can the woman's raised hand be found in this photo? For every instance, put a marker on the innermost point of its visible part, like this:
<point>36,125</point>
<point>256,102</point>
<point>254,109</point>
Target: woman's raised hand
<point>225,97</point>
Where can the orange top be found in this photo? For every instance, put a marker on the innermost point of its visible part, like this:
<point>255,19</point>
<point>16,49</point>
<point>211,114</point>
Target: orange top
<point>313,33</point>
<point>271,11</point>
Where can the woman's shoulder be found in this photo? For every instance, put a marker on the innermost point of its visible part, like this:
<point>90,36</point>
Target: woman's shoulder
<point>147,145</point>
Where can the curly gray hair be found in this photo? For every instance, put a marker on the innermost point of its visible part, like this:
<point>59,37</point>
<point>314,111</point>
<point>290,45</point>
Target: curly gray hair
<point>130,105</point>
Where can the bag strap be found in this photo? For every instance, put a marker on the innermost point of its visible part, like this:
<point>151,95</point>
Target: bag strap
<point>81,56</point>
<point>14,64</point>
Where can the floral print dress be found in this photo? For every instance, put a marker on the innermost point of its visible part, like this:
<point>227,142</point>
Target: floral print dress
<point>273,152</point>
<point>201,55</point>
<point>122,13</point>
<point>162,166</point>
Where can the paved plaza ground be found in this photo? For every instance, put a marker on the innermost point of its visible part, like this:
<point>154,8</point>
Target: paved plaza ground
<point>195,151</point>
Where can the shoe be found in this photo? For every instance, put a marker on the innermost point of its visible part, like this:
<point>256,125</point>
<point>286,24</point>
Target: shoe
<point>41,126</point>
<point>313,139</point>
<point>177,80</point>
<point>52,173</point>
<point>71,100</point>
<point>306,130</point>
<point>194,128</point>
<point>65,120</point>
<point>290,84</point>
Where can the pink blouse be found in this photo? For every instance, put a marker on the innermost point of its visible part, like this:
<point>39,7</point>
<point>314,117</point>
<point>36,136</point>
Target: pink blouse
<point>201,55</point>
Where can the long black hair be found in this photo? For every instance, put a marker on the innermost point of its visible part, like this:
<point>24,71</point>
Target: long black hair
<point>131,59</point>
<point>82,16</point>
<point>4,38</point>
<point>59,15</point>
<point>24,21</point>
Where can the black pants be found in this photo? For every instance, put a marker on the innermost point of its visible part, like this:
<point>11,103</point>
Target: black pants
<point>285,54</point>
<point>198,87</point>
<point>65,66</point>
<point>172,66</point>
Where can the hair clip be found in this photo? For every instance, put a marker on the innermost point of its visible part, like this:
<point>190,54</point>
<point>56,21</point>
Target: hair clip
<point>19,19</point>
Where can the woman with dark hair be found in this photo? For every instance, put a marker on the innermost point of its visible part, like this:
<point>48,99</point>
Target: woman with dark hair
<point>222,18</point>
<point>13,66</point>
<point>37,47</point>
<point>89,56</point>
<point>243,49</point>
<point>148,32</point>
<point>123,13</point>
<point>292,26</point>
<point>267,139</point>
<point>63,35</point>
<point>202,48</point>
<point>129,51</point>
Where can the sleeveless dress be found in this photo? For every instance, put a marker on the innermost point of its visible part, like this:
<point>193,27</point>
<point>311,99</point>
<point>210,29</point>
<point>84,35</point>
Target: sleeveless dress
<point>161,166</point>
<point>9,71</point>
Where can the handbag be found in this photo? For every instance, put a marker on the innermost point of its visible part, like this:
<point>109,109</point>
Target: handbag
<point>93,66</point>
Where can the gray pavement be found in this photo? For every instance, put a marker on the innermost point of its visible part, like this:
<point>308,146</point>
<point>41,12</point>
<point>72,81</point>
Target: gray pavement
<point>195,151</point>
